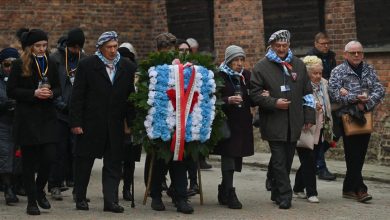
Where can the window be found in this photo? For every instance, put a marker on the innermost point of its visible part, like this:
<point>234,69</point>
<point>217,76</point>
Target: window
<point>372,23</point>
<point>192,18</point>
<point>302,18</point>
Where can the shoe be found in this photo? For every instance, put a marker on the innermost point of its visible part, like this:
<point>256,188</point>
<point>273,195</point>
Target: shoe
<point>222,195</point>
<point>127,195</point>
<point>75,200</point>
<point>363,197</point>
<point>43,202</point>
<point>113,207</point>
<point>324,174</point>
<point>275,197</point>
<point>10,196</point>
<point>268,184</point>
<point>69,183</point>
<point>193,190</point>
<point>233,202</point>
<point>82,205</point>
<point>285,204</point>
<point>204,165</point>
<point>300,195</point>
<point>313,199</point>
<point>157,204</point>
<point>184,207</point>
<point>350,195</point>
<point>32,209</point>
<point>56,193</point>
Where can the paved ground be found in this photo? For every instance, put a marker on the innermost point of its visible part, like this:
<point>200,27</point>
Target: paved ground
<point>250,190</point>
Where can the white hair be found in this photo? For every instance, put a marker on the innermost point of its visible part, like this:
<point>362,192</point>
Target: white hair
<point>192,42</point>
<point>349,45</point>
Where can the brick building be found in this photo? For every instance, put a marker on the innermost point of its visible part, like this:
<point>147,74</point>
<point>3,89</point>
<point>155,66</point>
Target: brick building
<point>217,24</point>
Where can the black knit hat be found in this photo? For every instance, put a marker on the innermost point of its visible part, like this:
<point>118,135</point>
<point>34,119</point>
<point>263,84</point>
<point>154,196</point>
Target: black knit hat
<point>31,37</point>
<point>75,37</point>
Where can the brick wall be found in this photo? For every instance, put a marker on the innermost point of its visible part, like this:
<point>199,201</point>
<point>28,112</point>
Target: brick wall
<point>239,22</point>
<point>131,19</point>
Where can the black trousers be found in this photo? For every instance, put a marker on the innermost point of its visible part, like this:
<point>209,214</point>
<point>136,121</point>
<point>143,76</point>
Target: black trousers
<point>62,168</point>
<point>355,149</point>
<point>37,158</point>
<point>192,167</point>
<point>305,177</point>
<point>282,154</point>
<point>112,169</point>
<point>178,174</point>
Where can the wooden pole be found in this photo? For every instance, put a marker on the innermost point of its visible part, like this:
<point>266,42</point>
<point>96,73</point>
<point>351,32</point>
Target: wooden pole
<point>200,184</point>
<point>147,190</point>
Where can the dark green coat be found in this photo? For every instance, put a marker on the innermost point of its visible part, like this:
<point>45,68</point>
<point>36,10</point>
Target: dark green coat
<point>274,122</point>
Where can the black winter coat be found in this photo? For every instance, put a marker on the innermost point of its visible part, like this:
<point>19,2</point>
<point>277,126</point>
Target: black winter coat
<point>63,101</point>
<point>240,144</point>
<point>35,119</point>
<point>6,118</point>
<point>100,107</point>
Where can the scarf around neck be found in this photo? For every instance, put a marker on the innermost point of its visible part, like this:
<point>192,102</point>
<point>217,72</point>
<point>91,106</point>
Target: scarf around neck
<point>272,56</point>
<point>229,71</point>
<point>107,63</point>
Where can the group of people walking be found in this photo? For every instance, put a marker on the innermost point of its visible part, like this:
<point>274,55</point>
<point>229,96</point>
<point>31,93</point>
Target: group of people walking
<point>66,109</point>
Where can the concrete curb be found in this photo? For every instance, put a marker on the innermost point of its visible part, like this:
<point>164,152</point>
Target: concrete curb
<point>377,177</point>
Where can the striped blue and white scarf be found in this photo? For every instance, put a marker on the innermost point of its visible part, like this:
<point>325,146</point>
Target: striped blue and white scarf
<point>107,63</point>
<point>229,71</point>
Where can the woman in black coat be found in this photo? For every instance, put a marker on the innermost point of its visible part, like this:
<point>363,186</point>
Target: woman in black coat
<point>239,118</point>
<point>34,84</point>
<point>7,145</point>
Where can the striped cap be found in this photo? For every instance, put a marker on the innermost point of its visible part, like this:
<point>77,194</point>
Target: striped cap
<point>281,35</point>
<point>105,37</point>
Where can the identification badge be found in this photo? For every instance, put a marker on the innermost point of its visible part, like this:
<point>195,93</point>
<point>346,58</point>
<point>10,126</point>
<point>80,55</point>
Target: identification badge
<point>285,88</point>
<point>71,79</point>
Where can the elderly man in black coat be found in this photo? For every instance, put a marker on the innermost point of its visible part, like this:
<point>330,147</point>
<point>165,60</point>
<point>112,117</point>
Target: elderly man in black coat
<point>99,106</point>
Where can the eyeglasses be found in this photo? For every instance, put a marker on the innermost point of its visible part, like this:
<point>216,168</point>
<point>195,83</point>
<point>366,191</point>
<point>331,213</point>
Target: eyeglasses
<point>355,53</point>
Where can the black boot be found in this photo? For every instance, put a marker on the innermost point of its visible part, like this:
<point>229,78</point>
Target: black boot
<point>222,195</point>
<point>32,208</point>
<point>233,202</point>
<point>184,207</point>
<point>42,201</point>
<point>127,195</point>
<point>10,196</point>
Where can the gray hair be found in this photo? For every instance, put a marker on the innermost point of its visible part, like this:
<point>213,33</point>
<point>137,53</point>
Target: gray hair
<point>349,45</point>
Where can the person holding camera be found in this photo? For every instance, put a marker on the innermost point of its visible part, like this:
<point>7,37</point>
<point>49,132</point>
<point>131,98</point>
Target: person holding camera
<point>239,120</point>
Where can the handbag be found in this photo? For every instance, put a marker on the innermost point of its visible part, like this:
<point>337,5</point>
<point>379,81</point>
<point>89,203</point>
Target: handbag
<point>306,140</point>
<point>351,127</point>
<point>225,130</point>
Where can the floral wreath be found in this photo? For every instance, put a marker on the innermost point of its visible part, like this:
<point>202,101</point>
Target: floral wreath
<point>162,91</point>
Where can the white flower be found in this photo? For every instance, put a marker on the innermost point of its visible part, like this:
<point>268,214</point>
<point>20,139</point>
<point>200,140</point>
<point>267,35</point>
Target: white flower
<point>211,74</point>
<point>152,110</point>
<point>153,80</point>
<point>152,73</point>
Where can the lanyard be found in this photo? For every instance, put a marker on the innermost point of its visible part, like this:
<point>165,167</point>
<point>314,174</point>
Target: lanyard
<point>41,66</point>
<point>73,66</point>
